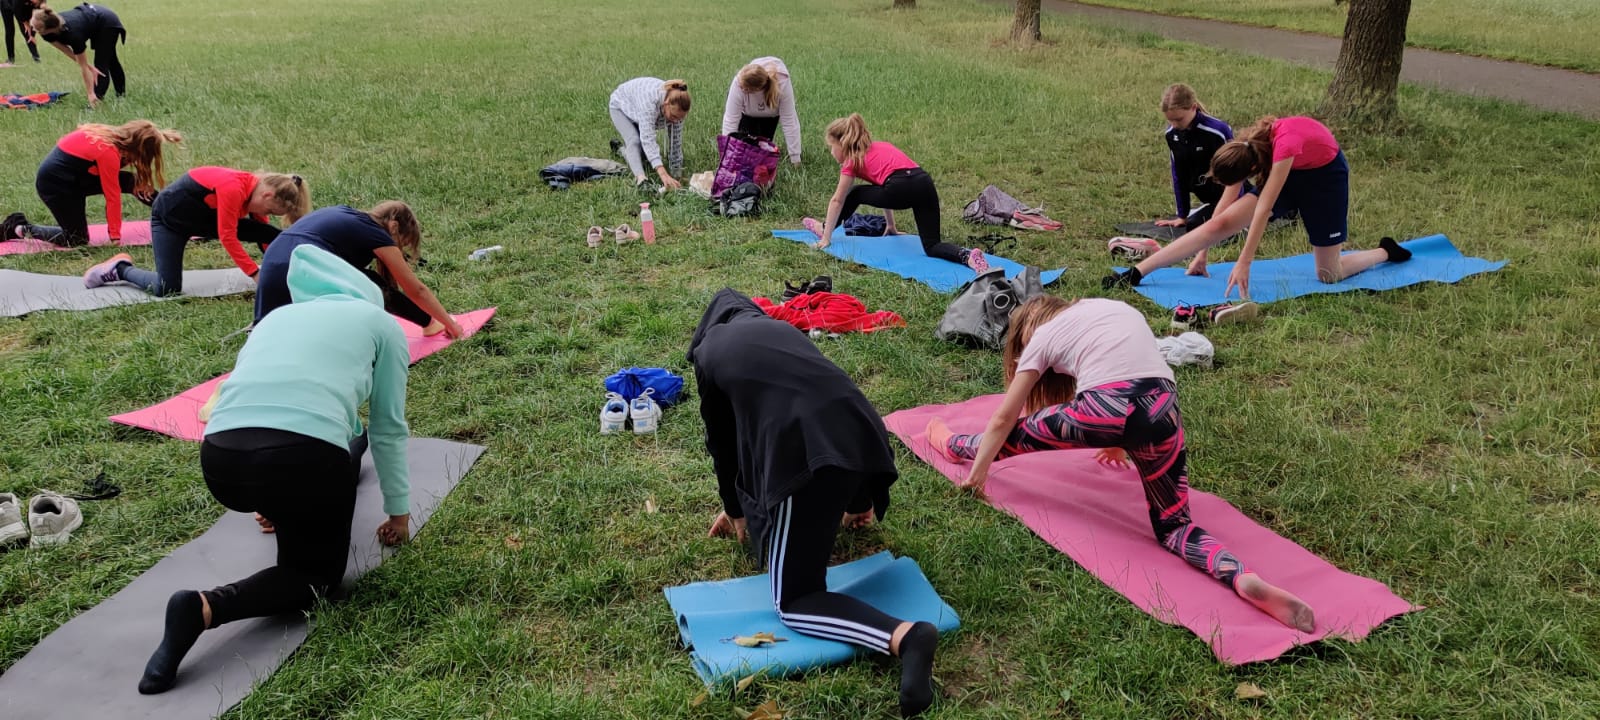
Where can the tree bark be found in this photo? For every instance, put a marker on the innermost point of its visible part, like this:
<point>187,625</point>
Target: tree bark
<point>1026,24</point>
<point>905,3</point>
<point>1368,70</point>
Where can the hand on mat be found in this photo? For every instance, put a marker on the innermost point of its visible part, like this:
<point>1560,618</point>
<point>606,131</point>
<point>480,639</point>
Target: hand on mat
<point>856,520</point>
<point>1113,458</point>
<point>724,526</point>
<point>266,525</point>
<point>1175,222</point>
<point>974,484</point>
<point>1240,278</point>
<point>821,244</point>
<point>395,530</point>
<point>1197,266</point>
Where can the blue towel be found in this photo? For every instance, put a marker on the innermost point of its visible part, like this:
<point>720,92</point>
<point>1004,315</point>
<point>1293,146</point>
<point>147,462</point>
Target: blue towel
<point>1433,259</point>
<point>711,614</point>
<point>903,256</point>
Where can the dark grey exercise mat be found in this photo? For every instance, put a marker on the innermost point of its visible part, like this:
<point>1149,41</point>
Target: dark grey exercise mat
<point>90,666</point>
<point>1168,234</point>
<point>24,292</point>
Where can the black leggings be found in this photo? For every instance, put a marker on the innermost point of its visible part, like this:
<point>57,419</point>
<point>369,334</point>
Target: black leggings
<point>907,190</point>
<point>307,488</point>
<point>64,183</point>
<point>105,60</point>
<point>14,17</point>
<point>799,545</point>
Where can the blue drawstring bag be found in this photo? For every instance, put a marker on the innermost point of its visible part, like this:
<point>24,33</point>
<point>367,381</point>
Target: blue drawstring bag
<point>631,382</point>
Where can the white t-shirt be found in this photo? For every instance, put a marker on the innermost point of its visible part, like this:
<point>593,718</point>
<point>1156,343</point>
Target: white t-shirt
<point>1097,341</point>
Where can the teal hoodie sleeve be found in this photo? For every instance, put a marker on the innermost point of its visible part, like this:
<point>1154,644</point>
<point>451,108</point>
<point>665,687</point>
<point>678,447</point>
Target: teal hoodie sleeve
<point>387,431</point>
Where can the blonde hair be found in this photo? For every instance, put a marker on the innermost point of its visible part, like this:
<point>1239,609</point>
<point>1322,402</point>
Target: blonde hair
<point>407,234</point>
<point>677,95</point>
<point>1180,97</point>
<point>1247,155</point>
<point>291,192</point>
<point>850,134</point>
<point>1053,388</point>
<point>140,144</point>
<point>761,79</point>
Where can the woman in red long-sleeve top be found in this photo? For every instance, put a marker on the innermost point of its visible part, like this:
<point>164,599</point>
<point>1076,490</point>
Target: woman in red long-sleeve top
<point>230,205</point>
<point>89,161</point>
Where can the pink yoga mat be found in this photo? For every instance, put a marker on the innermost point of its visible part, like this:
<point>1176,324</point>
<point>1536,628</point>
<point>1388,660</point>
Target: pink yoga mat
<point>134,232</point>
<point>1096,515</point>
<point>179,416</point>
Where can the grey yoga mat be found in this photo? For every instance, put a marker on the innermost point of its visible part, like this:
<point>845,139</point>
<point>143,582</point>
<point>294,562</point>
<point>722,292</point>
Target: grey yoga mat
<point>24,292</point>
<point>90,666</point>
<point>1167,234</point>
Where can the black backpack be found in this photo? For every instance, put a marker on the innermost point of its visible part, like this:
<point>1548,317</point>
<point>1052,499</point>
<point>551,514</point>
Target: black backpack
<point>738,201</point>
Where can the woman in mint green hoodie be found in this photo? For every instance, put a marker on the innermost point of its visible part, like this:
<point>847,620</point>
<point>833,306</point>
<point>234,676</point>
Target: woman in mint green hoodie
<point>285,440</point>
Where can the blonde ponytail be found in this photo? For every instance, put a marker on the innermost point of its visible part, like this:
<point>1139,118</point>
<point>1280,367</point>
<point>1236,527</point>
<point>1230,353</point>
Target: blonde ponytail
<point>850,134</point>
<point>677,95</point>
<point>757,78</point>
<point>292,192</point>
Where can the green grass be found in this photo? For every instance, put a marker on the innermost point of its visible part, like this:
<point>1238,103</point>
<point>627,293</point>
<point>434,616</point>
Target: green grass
<point>1546,32</point>
<point>1437,438</point>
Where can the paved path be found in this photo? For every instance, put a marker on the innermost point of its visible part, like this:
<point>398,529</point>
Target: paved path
<point>1542,87</point>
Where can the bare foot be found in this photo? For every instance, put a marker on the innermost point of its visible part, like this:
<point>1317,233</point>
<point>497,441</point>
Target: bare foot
<point>939,434</point>
<point>433,328</point>
<point>1281,604</point>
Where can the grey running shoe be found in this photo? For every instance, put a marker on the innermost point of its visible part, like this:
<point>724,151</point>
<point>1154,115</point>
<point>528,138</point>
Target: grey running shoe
<point>52,518</point>
<point>12,528</point>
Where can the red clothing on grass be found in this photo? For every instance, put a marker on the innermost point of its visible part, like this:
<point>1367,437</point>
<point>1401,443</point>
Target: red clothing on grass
<point>831,312</point>
<point>107,164</point>
<point>1309,142</point>
<point>877,163</point>
<point>229,196</point>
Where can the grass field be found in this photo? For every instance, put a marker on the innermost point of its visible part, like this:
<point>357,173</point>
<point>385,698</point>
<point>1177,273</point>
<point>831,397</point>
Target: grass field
<point>1546,32</point>
<point>1439,438</point>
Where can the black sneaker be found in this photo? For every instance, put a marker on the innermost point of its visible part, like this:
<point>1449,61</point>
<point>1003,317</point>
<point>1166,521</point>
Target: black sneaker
<point>1125,279</point>
<point>616,147</point>
<point>1186,317</point>
<point>822,283</point>
<point>9,227</point>
<point>792,291</point>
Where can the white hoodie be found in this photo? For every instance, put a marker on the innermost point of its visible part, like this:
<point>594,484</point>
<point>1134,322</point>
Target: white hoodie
<point>755,105</point>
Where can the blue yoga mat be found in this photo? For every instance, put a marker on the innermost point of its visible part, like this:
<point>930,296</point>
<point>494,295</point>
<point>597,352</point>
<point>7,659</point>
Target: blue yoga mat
<point>711,614</point>
<point>903,256</point>
<point>1433,259</point>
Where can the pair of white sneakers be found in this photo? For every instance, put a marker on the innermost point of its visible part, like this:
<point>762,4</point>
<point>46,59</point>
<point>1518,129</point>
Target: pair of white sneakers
<point>643,413</point>
<point>51,519</point>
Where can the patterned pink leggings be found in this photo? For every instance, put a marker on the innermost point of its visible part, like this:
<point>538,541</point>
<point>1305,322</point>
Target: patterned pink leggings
<point>1141,417</point>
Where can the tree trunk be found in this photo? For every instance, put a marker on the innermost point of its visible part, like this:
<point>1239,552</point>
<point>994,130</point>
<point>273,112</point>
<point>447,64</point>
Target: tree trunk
<point>905,3</point>
<point>1026,24</point>
<point>1368,70</point>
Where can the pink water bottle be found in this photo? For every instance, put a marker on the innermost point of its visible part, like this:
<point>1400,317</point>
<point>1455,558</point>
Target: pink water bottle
<point>647,222</point>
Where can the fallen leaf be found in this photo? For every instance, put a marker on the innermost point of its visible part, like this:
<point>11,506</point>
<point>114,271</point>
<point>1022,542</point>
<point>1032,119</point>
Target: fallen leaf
<point>1248,691</point>
<point>700,699</point>
<point>513,542</point>
<point>757,640</point>
<point>743,683</point>
<point>650,507</point>
<point>766,711</point>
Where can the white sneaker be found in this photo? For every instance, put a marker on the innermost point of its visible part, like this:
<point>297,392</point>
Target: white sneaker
<point>614,414</point>
<point>52,518</point>
<point>646,414</point>
<point>12,528</point>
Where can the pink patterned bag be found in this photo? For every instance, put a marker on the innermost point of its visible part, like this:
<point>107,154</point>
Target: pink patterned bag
<point>745,159</point>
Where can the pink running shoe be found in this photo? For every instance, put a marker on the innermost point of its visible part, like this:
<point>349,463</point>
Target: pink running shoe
<point>1132,248</point>
<point>976,261</point>
<point>105,272</point>
<point>814,226</point>
<point>1033,220</point>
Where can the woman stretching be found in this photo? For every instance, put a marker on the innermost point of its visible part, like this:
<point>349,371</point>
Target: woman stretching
<point>18,14</point>
<point>760,99</point>
<point>77,30</point>
<point>894,182</point>
<point>640,107</point>
<point>797,448</point>
<point>208,202</point>
<point>285,440</point>
<point>388,234</point>
<point>1305,172</point>
<point>89,161</point>
<point>1088,375</point>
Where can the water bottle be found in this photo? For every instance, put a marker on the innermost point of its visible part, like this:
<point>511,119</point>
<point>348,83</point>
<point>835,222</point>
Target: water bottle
<point>647,223</point>
<point>484,253</point>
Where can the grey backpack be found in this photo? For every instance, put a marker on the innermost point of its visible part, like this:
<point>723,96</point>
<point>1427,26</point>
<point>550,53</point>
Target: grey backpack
<point>980,315</point>
<point>993,207</point>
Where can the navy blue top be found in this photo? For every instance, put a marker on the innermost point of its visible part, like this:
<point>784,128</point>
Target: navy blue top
<point>84,25</point>
<point>349,233</point>
<point>1191,150</point>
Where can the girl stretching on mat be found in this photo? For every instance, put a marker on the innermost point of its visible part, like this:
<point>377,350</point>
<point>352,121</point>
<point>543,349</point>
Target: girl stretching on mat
<point>761,99</point>
<point>1192,138</point>
<point>1304,171</point>
<point>208,202</point>
<point>89,161</point>
<point>894,182</point>
<point>798,451</point>
<point>285,440</point>
<point>1087,375</point>
<point>77,30</point>
<point>640,107</point>
<point>388,233</point>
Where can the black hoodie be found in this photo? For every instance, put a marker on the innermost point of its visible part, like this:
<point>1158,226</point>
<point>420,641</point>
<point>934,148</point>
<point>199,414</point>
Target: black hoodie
<point>777,411</point>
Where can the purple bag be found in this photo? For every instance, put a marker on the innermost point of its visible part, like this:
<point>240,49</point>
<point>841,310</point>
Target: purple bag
<point>745,159</point>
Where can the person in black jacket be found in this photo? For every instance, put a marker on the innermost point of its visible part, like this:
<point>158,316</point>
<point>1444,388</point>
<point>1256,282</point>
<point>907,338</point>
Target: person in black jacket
<point>17,14</point>
<point>1192,138</point>
<point>74,32</point>
<point>798,451</point>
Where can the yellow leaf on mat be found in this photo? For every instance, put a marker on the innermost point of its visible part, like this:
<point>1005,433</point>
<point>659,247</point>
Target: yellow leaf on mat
<point>1248,691</point>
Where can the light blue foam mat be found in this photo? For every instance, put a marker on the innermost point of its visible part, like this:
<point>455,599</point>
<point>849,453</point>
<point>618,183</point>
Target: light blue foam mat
<point>1433,259</point>
<point>711,614</point>
<point>903,256</point>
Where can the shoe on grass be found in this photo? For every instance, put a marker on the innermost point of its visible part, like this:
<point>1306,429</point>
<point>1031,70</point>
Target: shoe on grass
<point>1231,313</point>
<point>613,414</point>
<point>645,413</point>
<point>105,273</point>
<point>52,518</point>
<point>12,527</point>
<point>594,236</point>
<point>1131,248</point>
<point>1186,317</point>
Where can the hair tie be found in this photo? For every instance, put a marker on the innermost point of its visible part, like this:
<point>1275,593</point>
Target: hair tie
<point>296,179</point>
